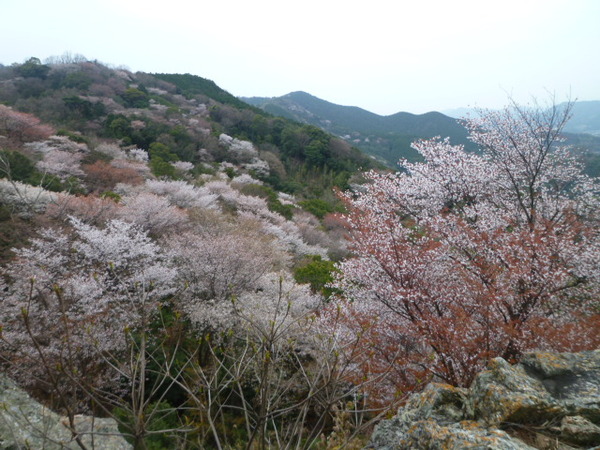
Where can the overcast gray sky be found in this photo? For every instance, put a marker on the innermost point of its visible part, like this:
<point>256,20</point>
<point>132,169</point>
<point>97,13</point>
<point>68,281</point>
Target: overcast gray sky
<point>384,56</point>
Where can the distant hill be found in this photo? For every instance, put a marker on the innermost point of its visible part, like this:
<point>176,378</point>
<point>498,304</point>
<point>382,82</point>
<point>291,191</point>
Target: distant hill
<point>458,113</point>
<point>174,118</point>
<point>586,118</point>
<point>191,85</point>
<point>387,138</point>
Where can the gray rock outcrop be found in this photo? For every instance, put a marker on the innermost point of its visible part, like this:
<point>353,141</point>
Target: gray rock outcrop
<point>26,424</point>
<point>547,401</point>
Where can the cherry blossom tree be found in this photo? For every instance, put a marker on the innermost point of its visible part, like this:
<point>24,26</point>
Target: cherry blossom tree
<point>20,127</point>
<point>269,362</point>
<point>62,164</point>
<point>467,256</point>
<point>152,213</point>
<point>89,209</point>
<point>219,262</point>
<point>72,297</point>
<point>102,176</point>
<point>23,199</point>
<point>274,224</point>
<point>60,157</point>
<point>181,193</point>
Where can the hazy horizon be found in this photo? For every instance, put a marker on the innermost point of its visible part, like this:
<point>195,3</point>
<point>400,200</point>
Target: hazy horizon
<point>389,57</point>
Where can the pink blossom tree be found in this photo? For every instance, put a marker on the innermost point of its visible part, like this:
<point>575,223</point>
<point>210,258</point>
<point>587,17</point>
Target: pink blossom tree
<point>467,256</point>
<point>20,127</point>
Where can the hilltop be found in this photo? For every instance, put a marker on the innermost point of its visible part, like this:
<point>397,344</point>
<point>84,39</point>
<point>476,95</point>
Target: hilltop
<point>185,113</point>
<point>387,138</point>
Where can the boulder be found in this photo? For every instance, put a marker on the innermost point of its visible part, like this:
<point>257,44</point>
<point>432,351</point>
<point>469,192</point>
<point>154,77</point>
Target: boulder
<point>573,380</point>
<point>25,423</point>
<point>507,394</point>
<point>548,400</point>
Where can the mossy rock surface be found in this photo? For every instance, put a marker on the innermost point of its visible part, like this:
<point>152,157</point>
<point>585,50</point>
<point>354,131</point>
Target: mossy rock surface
<point>547,399</point>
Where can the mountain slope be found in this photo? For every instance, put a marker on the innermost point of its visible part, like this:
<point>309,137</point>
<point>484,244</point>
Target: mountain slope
<point>191,85</point>
<point>388,138</point>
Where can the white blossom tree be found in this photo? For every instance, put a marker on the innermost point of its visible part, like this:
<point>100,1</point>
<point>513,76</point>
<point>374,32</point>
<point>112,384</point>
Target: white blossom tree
<point>71,297</point>
<point>219,262</point>
<point>153,213</point>
<point>182,194</point>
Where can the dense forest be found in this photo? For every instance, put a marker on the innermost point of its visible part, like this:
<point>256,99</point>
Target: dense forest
<point>212,276</point>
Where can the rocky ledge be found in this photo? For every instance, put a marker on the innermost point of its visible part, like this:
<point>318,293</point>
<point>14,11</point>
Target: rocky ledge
<point>547,401</point>
<point>24,423</point>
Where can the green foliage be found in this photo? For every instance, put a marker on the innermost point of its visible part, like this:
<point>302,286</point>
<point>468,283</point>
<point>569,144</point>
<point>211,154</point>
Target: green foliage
<point>201,169</point>
<point>82,108</point>
<point>592,165</point>
<point>286,211</point>
<point>111,195</point>
<point>163,101</point>
<point>17,166</point>
<point>230,172</point>
<point>48,182</point>
<point>160,159</point>
<point>151,132</point>
<point>183,143</point>
<point>77,80</point>
<point>168,420</point>
<point>158,150</point>
<point>95,156</point>
<point>118,126</point>
<point>33,68</point>
<point>317,206</point>
<point>30,88</point>
<point>135,98</point>
<point>191,85</point>
<point>318,273</point>
<point>270,195</point>
<point>73,136</point>
<point>162,168</point>
<point>387,138</point>
<point>72,185</point>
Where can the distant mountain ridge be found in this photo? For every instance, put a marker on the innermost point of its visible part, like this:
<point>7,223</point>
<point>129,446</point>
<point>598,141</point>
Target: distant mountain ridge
<point>387,138</point>
<point>585,118</point>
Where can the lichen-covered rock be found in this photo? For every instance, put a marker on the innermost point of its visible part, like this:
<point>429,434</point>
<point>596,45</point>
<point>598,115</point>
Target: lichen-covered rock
<point>572,379</point>
<point>24,423</point>
<point>434,419</point>
<point>439,402</point>
<point>579,430</point>
<point>506,393</point>
<point>549,400</point>
<point>457,436</point>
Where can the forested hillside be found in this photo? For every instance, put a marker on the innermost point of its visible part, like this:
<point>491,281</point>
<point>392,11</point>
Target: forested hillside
<point>388,138</point>
<point>211,276</point>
